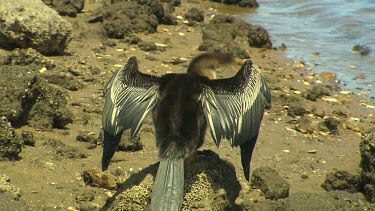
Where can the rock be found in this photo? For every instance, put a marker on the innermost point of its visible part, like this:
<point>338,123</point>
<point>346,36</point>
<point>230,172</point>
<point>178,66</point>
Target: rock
<point>88,137</point>
<point>125,18</point>
<point>97,178</point>
<point>220,34</point>
<point>26,57</point>
<point>10,143</point>
<point>50,109</point>
<point>27,138</point>
<point>147,46</point>
<point>22,23</point>
<point>341,180</point>
<point>66,7</point>
<point>195,14</point>
<point>129,144</point>
<point>367,149</point>
<point>210,184</point>
<point>86,195</point>
<point>7,187</point>
<point>241,3</point>
<point>327,76</point>
<point>304,125</point>
<point>362,49</point>
<point>64,80</point>
<point>64,150</point>
<point>31,100</point>
<point>317,91</point>
<point>329,124</point>
<point>332,200</point>
<point>270,182</point>
<point>296,109</point>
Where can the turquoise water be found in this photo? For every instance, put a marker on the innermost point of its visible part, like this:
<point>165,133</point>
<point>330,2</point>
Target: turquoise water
<point>327,28</point>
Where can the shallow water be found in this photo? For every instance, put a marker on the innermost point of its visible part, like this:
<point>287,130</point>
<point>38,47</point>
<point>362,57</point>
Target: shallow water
<point>323,33</point>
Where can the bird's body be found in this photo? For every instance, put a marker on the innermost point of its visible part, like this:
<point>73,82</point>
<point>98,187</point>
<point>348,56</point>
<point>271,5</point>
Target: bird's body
<point>183,106</point>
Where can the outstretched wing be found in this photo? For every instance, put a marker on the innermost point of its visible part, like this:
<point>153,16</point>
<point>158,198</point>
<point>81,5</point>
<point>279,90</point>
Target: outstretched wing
<point>234,106</point>
<point>129,97</point>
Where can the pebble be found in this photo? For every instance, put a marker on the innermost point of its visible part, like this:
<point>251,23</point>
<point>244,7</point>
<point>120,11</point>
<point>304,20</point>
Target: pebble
<point>329,99</point>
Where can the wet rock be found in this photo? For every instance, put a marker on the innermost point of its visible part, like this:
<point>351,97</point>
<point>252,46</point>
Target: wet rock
<point>341,180</point>
<point>147,46</point>
<point>327,76</point>
<point>210,184</point>
<point>317,91</point>
<point>332,200</point>
<point>97,178</point>
<point>195,14</point>
<point>270,182</point>
<point>362,49</point>
<point>25,57</point>
<point>28,138</point>
<point>367,149</point>
<point>7,187</point>
<point>10,143</point>
<point>223,30</point>
<point>22,23</point>
<point>66,7</point>
<point>125,18</point>
<point>63,150</point>
<point>241,3</point>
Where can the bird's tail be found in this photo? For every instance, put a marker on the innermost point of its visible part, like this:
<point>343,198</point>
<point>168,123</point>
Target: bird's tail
<point>168,190</point>
<point>110,144</point>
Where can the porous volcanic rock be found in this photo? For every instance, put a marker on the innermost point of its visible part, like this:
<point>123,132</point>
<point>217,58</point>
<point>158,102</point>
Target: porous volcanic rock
<point>66,7</point>
<point>30,23</point>
<point>241,3</point>
<point>29,99</point>
<point>270,182</point>
<point>227,33</point>
<point>367,149</point>
<point>10,143</point>
<point>122,19</point>
<point>210,184</point>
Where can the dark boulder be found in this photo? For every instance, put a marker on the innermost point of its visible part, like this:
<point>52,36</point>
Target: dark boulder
<point>29,99</point>
<point>241,3</point>
<point>225,32</point>
<point>270,182</point>
<point>66,7</point>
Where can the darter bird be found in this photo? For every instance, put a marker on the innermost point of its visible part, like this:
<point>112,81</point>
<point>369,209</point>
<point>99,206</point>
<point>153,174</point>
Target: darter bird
<point>182,107</point>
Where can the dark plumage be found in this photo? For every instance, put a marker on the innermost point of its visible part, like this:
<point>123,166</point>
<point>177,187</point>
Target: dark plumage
<point>183,106</point>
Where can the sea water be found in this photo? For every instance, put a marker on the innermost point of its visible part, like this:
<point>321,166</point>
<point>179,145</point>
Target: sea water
<point>322,33</point>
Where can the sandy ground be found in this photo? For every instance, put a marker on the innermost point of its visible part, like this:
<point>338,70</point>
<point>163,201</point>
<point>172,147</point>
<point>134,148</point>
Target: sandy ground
<point>302,159</point>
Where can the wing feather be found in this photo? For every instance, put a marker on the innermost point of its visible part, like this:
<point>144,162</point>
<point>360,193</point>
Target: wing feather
<point>130,96</point>
<point>234,106</point>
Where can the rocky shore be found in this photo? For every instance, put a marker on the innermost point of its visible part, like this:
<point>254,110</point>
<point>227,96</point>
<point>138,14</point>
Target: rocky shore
<point>315,150</point>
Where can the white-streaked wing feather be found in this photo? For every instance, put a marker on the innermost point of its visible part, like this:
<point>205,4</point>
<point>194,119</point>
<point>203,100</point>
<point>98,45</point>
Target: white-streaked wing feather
<point>129,97</point>
<point>234,106</point>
